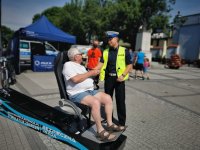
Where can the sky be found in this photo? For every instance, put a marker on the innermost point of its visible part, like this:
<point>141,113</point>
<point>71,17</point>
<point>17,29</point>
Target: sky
<point>19,13</point>
<point>186,7</point>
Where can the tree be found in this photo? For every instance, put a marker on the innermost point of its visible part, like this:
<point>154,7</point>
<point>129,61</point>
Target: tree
<point>94,17</point>
<point>71,21</point>
<point>160,24</point>
<point>7,34</point>
<point>145,14</point>
<point>53,14</point>
<point>179,20</point>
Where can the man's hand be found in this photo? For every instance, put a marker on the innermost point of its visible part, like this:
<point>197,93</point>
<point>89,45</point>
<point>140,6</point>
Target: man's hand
<point>94,72</point>
<point>81,77</point>
<point>99,65</point>
<point>120,78</point>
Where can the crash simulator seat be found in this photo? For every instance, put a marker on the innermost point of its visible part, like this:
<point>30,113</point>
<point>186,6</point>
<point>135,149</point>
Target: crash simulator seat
<point>65,104</point>
<point>48,117</point>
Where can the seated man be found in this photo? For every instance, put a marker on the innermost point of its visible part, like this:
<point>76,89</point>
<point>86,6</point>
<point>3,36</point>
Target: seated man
<point>80,89</point>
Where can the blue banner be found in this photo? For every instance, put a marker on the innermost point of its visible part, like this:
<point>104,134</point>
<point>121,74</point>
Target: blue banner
<point>43,63</point>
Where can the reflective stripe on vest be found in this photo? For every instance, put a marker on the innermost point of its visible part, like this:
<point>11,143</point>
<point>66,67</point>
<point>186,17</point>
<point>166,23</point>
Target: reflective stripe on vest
<point>120,65</point>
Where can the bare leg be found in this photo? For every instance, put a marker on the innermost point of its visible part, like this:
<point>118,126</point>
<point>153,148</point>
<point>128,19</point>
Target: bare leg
<point>147,75</point>
<point>135,74</point>
<point>95,110</point>
<point>95,103</point>
<point>142,74</point>
<point>106,100</point>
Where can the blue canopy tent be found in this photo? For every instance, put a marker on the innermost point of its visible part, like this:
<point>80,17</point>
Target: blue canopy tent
<point>41,30</point>
<point>44,30</point>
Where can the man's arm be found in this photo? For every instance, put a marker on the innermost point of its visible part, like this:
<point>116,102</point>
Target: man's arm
<point>128,67</point>
<point>128,62</point>
<point>135,60</point>
<point>81,77</point>
<point>127,70</point>
<point>98,67</point>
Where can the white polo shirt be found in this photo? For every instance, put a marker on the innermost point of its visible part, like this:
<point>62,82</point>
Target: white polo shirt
<point>71,69</point>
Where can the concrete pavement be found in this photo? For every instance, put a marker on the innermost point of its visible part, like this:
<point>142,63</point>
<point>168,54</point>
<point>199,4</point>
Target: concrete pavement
<point>162,113</point>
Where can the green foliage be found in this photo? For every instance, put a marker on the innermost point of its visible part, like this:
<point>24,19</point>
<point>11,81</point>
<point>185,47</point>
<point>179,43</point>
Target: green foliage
<point>179,20</point>
<point>53,14</point>
<point>71,21</point>
<point>91,18</point>
<point>36,17</point>
<point>160,22</point>
<point>7,34</point>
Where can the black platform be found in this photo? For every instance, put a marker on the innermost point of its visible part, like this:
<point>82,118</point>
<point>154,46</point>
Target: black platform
<point>50,121</point>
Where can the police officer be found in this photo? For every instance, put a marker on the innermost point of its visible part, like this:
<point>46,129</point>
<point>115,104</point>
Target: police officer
<point>115,65</point>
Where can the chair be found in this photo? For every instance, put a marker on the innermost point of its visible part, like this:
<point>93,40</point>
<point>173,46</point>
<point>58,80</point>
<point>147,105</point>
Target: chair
<point>79,109</point>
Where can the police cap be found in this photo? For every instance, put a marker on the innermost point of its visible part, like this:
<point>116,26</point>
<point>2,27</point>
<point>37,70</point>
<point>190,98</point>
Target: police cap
<point>111,34</point>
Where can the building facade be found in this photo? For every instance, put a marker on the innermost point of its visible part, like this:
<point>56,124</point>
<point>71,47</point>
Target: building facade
<point>185,40</point>
<point>187,37</point>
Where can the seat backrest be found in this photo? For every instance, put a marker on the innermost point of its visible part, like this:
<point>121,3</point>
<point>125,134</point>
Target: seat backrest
<point>58,67</point>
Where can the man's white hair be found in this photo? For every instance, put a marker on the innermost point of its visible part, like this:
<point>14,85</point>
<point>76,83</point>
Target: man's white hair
<point>72,52</point>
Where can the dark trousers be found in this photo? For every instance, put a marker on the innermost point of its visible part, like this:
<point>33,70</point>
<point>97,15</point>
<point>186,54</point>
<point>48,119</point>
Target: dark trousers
<point>110,85</point>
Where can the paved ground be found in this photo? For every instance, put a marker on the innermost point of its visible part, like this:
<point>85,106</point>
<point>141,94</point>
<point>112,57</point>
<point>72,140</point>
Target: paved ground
<point>163,113</point>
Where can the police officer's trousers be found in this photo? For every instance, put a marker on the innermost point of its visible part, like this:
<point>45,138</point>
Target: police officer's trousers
<point>110,85</point>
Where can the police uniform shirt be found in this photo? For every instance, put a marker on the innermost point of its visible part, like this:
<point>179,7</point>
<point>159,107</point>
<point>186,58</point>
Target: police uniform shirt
<point>112,59</point>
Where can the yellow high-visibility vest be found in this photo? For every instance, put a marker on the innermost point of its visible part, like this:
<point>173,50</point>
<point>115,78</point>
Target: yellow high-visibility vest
<point>120,64</point>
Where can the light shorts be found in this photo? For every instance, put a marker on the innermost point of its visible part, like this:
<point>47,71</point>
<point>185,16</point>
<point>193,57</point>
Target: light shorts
<point>78,97</point>
<point>145,69</point>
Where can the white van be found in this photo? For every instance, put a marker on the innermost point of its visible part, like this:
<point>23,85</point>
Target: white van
<point>27,47</point>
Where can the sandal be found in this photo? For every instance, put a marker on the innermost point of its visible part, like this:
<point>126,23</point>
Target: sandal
<point>115,128</point>
<point>102,137</point>
<point>122,128</point>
